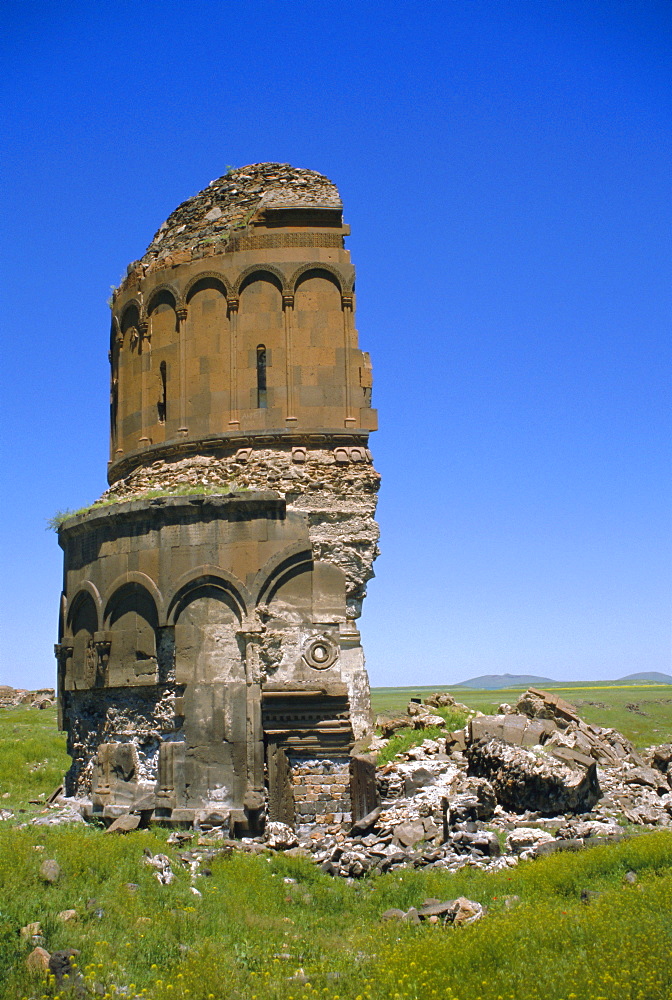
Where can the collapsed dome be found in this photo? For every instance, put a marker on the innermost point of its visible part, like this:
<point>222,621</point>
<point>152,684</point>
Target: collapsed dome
<point>229,204</point>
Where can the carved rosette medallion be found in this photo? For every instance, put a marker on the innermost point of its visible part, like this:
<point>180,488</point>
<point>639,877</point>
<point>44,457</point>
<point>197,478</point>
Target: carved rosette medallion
<point>320,652</point>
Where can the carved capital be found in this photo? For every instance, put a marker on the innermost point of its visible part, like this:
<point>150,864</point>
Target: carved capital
<point>347,301</point>
<point>232,303</point>
<point>102,644</point>
<point>181,313</point>
<point>288,300</point>
<point>62,650</point>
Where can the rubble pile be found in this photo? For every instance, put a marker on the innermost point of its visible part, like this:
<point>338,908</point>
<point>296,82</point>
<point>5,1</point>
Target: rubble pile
<point>501,790</point>
<point>531,780</point>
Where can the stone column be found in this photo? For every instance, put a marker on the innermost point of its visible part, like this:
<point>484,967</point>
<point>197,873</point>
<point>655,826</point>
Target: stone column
<point>348,327</point>
<point>234,416</point>
<point>182,331</point>
<point>288,311</point>
<point>254,731</point>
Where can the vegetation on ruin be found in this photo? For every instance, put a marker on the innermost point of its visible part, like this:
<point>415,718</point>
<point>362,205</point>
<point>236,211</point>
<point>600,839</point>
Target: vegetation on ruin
<point>642,712</point>
<point>271,927</point>
<point>221,489</point>
<point>406,738</point>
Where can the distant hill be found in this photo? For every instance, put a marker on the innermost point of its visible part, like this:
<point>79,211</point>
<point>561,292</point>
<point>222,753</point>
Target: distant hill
<point>653,676</point>
<point>492,682</point>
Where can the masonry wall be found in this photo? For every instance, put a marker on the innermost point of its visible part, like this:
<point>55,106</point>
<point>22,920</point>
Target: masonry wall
<point>321,791</point>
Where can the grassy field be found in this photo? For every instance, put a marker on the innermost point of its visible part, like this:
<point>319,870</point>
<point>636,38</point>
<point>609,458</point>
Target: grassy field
<point>648,719</point>
<point>259,920</point>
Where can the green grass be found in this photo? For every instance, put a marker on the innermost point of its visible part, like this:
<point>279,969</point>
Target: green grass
<point>655,700</point>
<point>406,738</point>
<point>32,756</point>
<point>230,943</point>
<point>227,943</point>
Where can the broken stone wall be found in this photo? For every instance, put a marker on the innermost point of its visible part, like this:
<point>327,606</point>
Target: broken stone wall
<point>321,791</point>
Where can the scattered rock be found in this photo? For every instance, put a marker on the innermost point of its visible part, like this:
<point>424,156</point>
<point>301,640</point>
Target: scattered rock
<point>50,871</point>
<point>442,699</point>
<point>161,863</point>
<point>408,834</point>
<point>525,838</point>
<point>60,966</point>
<point>280,836</point>
<point>32,932</point>
<point>58,815</point>
<point>66,916</point>
<point>38,961</point>
<point>459,911</point>
<point>544,705</point>
<point>465,911</point>
<point>124,824</point>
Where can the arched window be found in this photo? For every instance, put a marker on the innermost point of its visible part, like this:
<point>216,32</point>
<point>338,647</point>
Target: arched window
<point>161,404</point>
<point>261,377</point>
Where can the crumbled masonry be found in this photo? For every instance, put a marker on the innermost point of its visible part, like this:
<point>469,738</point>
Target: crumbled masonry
<point>447,803</point>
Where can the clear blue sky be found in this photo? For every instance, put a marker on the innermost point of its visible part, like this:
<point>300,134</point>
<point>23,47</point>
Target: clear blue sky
<point>505,169</point>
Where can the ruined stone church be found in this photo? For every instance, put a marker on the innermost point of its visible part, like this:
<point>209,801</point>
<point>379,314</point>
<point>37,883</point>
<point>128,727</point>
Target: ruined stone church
<point>209,661</point>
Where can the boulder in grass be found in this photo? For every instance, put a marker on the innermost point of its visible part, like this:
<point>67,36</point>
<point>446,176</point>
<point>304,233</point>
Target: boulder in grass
<point>464,911</point>
<point>124,824</point>
<point>50,871</point>
<point>61,967</point>
<point>33,933</point>
<point>524,838</point>
<point>38,961</point>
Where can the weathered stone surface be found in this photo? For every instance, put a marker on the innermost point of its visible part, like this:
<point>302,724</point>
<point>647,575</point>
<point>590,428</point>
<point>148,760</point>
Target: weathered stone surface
<point>61,967</point>
<point>66,916</point>
<point>32,931</point>
<point>389,726</point>
<point>465,911</point>
<point>525,780</point>
<point>124,824</point>
<point>280,836</point>
<point>524,838</point>
<point>546,705</point>
<point>50,871</point>
<point>210,221</point>
<point>516,729</point>
<point>661,757</point>
<point>408,834</point>
<point>38,961</point>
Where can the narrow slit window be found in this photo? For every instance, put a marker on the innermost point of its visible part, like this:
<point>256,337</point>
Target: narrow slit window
<point>261,377</point>
<point>161,404</point>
